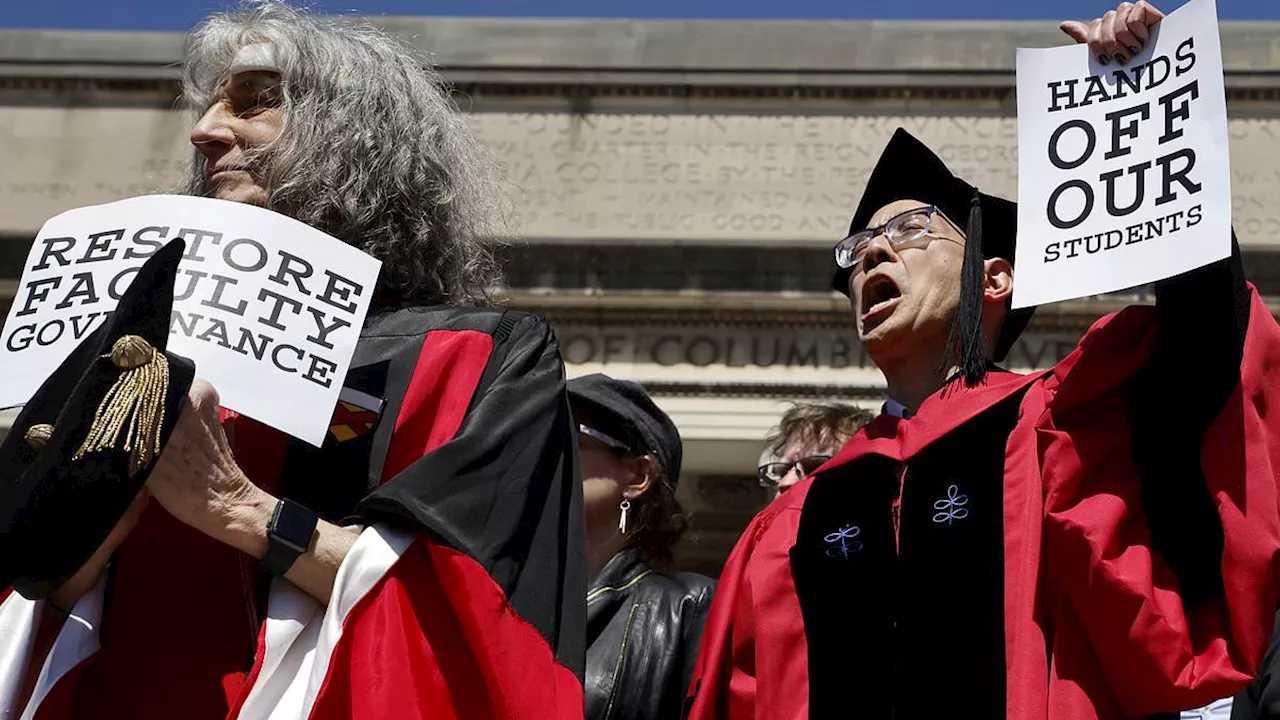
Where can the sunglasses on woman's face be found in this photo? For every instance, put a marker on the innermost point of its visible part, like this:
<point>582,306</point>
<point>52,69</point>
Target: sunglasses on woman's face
<point>605,439</point>
<point>772,474</point>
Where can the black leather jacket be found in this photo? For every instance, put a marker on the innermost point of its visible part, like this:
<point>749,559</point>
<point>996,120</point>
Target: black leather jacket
<point>643,630</point>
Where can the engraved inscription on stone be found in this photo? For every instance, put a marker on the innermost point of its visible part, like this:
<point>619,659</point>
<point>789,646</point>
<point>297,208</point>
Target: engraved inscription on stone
<point>766,355</point>
<point>56,159</point>
<point>773,178</point>
<point>721,178</point>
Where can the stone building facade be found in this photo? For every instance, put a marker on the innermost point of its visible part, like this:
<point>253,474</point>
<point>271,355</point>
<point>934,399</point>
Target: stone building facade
<point>681,184</point>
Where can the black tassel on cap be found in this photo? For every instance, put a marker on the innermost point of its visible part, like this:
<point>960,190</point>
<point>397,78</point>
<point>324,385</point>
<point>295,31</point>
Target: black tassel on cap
<point>964,345</point>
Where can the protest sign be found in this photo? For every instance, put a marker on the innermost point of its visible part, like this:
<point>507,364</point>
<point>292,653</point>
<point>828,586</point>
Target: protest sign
<point>1123,172</point>
<point>268,308</point>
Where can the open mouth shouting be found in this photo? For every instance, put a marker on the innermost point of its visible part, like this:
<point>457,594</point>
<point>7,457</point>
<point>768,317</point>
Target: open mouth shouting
<point>880,294</point>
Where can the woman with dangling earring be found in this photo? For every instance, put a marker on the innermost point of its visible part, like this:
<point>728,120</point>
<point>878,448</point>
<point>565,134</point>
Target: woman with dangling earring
<point>643,622</point>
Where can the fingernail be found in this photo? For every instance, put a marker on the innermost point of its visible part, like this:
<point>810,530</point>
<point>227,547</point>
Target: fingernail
<point>1134,49</point>
<point>1104,59</point>
<point>1121,59</point>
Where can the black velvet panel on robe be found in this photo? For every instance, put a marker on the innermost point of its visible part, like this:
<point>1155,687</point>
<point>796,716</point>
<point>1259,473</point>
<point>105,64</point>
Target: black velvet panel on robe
<point>504,490</point>
<point>920,633</point>
<point>913,629</point>
<point>1194,368</point>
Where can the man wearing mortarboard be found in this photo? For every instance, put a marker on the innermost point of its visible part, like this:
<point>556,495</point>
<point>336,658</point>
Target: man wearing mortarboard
<point>1078,543</point>
<point>161,561</point>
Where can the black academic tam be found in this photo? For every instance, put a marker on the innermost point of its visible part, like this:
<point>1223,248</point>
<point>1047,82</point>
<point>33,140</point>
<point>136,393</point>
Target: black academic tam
<point>909,170</point>
<point>83,446</point>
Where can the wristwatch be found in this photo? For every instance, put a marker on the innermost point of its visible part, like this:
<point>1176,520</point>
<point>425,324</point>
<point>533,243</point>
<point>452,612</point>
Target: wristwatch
<point>288,536</point>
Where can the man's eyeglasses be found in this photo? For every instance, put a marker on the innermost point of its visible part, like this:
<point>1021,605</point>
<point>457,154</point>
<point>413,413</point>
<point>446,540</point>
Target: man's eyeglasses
<point>903,230</point>
<point>771,474</point>
<point>607,440</point>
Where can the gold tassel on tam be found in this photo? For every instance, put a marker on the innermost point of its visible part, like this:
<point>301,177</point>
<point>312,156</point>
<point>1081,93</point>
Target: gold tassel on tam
<point>134,406</point>
<point>39,435</point>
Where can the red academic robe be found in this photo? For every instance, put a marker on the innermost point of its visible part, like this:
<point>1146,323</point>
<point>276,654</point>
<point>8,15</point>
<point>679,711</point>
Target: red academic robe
<point>463,596</point>
<point>1100,589</point>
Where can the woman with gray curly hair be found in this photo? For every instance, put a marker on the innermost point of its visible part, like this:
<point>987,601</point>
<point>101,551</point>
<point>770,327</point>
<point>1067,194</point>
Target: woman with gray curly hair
<point>426,561</point>
<point>352,132</point>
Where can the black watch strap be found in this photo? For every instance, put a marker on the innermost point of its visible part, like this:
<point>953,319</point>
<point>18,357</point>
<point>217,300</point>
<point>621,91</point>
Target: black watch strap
<point>289,535</point>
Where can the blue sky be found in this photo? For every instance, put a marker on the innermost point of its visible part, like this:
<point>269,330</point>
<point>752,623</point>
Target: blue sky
<point>181,14</point>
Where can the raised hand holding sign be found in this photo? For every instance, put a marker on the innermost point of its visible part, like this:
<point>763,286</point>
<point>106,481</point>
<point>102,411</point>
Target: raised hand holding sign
<point>1123,170</point>
<point>1120,34</point>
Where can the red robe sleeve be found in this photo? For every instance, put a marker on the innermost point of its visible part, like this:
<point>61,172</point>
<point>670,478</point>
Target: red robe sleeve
<point>714,669</point>
<point>1128,638</point>
<point>753,662</point>
<point>464,596</point>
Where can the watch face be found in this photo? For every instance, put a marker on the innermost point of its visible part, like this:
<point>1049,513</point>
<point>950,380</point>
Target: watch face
<point>293,525</point>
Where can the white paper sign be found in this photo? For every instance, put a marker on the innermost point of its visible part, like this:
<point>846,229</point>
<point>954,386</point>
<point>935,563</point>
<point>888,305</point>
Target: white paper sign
<point>1123,172</point>
<point>268,308</point>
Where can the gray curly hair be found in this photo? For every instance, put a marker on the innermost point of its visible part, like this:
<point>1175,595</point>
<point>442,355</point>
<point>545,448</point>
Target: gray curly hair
<point>372,151</point>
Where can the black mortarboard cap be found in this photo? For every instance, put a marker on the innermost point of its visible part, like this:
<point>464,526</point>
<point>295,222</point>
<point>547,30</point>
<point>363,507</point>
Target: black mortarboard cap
<point>625,408</point>
<point>83,446</point>
<point>907,169</point>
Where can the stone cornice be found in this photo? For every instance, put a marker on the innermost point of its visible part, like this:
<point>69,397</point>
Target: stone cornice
<point>587,91</point>
<point>545,56</point>
<point>510,44</point>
